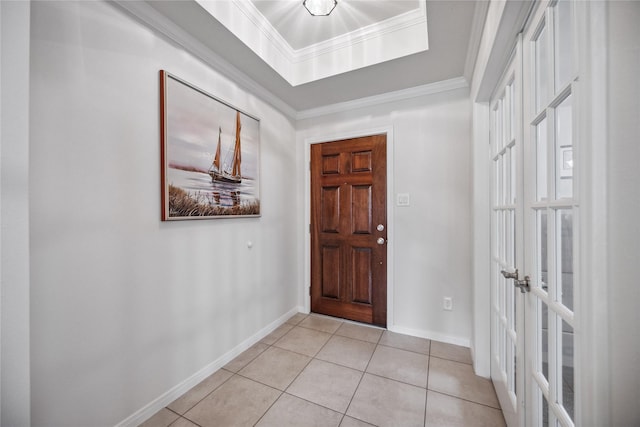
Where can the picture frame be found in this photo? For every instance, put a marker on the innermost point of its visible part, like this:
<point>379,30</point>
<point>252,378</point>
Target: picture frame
<point>210,155</point>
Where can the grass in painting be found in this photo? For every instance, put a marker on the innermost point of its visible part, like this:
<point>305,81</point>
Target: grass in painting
<point>182,204</point>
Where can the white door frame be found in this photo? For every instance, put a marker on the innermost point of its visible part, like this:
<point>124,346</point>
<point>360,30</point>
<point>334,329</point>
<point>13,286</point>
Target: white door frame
<point>336,136</point>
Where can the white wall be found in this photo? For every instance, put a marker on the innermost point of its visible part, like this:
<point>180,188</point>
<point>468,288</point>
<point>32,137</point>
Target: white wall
<point>432,237</point>
<point>123,306</point>
<point>14,213</point>
<point>623,155</point>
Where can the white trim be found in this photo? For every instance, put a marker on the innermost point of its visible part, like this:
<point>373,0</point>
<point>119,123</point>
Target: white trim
<point>399,95</point>
<point>592,321</point>
<point>477,27</point>
<point>414,17</point>
<point>154,20</point>
<point>481,348</point>
<point>319,138</point>
<point>435,336</point>
<point>166,398</point>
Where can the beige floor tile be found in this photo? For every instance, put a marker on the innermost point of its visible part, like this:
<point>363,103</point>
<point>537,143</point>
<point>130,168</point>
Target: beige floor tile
<point>352,422</point>
<point>162,418</point>
<point>319,323</point>
<point>290,411</point>
<point>275,367</point>
<point>383,402</point>
<point>347,352</point>
<point>183,422</point>
<point>405,342</point>
<point>326,384</point>
<point>303,340</point>
<point>451,352</point>
<point>238,402</point>
<point>245,357</point>
<point>400,365</point>
<point>276,334</point>
<point>199,392</point>
<point>360,332</point>
<point>296,318</point>
<point>443,410</point>
<point>457,379</point>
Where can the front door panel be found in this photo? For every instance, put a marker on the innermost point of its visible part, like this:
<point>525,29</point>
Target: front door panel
<point>348,251</point>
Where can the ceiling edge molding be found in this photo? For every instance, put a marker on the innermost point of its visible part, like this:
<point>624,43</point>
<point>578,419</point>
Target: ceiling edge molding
<point>164,26</point>
<point>511,21</point>
<point>371,101</point>
<point>411,18</point>
<point>264,26</point>
<point>477,28</point>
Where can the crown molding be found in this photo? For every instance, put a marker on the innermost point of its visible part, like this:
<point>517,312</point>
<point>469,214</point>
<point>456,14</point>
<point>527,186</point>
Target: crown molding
<point>371,101</point>
<point>167,28</point>
<point>264,26</point>
<point>411,18</point>
<point>477,27</point>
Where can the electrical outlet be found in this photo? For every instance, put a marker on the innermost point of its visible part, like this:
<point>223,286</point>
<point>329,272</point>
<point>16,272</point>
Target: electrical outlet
<point>447,303</point>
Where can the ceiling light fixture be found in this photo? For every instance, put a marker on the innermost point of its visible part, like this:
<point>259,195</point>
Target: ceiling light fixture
<point>320,7</point>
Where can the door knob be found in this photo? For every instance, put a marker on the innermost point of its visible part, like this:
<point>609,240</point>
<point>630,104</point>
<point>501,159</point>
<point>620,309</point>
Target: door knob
<point>380,227</point>
<point>522,284</point>
<point>508,275</point>
<point>380,241</point>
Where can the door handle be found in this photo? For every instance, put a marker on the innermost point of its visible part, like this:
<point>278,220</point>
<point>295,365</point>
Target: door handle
<point>522,284</point>
<point>380,241</point>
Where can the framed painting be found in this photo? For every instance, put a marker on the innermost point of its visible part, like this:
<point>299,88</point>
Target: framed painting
<point>210,155</point>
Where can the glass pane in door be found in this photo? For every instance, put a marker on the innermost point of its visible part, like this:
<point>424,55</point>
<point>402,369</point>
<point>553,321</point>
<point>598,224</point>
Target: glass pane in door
<point>541,159</point>
<point>566,378</point>
<point>564,223</point>
<point>564,150</point>
<point>543,339</point>
<point>541,65</point>
<point>541,252</point>
<point>563,52</point>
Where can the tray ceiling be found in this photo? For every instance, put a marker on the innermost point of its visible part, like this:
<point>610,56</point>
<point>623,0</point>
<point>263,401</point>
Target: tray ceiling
<point>260,39</point>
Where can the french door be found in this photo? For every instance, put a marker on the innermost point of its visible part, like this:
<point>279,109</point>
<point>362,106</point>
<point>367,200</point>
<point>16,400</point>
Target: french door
<point>507,302</point>
<point>535,216</point>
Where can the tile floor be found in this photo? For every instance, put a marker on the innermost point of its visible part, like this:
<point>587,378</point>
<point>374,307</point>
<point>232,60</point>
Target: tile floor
<point>320,371</point>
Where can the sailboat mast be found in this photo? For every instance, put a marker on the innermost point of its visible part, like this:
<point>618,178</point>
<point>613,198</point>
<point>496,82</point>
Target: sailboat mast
<point>237,152</point>
<point>216,159</point>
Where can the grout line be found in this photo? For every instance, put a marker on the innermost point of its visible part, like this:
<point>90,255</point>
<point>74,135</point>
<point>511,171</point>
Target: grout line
<point>205,396</point>
<point>270,406</point>
<point>456,361</point>
<point>426,394</point>
<point>403,349</point>
<point>466,400</point>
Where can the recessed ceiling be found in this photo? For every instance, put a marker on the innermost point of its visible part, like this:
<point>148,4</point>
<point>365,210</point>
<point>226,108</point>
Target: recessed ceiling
<point>301,30</point>
<point>453,33</point>
<point>303,48</point>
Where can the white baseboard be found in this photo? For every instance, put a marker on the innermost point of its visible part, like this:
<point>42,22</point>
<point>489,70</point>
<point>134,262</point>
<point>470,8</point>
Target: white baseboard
<point>436,336</point>
<point>150,409</point>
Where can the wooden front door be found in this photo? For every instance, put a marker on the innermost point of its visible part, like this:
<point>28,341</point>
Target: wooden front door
<point>349,229</point>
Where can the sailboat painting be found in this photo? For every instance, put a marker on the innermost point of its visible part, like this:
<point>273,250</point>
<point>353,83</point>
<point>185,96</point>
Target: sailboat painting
<point>210,155</point>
